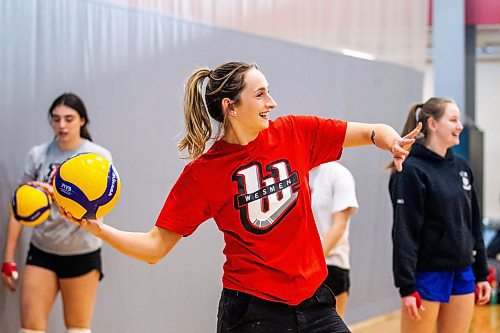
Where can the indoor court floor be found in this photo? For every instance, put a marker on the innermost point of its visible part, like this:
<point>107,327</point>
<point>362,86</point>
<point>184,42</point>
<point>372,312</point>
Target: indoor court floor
<point>486,320</point>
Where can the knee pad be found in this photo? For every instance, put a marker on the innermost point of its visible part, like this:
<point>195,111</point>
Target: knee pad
<point>25,330</point>
<point>78,330</point>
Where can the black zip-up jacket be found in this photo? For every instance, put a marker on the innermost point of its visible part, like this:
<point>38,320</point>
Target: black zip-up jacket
<point>437,223</point>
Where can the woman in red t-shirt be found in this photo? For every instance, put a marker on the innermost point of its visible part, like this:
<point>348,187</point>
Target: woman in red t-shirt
<point>253,181</point>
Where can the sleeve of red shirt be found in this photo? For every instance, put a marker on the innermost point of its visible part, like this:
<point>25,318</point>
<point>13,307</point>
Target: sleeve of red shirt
<point>323,137</point>
<point>186,206</point>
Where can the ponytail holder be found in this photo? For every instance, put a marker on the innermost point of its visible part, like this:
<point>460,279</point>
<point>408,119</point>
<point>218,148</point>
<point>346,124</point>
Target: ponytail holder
<point>204,91</point>
<point>418,109</point>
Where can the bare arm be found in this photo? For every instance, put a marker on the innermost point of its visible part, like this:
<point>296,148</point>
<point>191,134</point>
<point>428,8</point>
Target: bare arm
<point>382,136</point>
<point>361,134</point>
<point>14,230</point>
<point>337,229</point>
<point>146,246</point>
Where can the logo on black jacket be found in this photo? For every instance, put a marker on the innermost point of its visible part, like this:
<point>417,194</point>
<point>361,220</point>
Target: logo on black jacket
<point>265,199</point>
<point>465,180</point>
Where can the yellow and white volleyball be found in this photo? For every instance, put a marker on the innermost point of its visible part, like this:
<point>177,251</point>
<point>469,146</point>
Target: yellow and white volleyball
<point>87,186</point>
<point>30,205</point>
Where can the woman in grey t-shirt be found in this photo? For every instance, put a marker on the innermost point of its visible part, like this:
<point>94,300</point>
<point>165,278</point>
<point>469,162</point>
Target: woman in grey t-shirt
<point>62,257</point>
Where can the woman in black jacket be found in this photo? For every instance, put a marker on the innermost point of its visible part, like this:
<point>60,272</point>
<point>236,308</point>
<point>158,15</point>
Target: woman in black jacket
<point>439,258</point>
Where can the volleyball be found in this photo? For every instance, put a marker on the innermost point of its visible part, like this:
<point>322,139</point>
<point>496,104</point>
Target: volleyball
<point>87,186</point>
<point>30,205</point>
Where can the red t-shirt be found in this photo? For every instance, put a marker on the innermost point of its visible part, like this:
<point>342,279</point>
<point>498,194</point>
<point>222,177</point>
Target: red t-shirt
<point>259,197</point>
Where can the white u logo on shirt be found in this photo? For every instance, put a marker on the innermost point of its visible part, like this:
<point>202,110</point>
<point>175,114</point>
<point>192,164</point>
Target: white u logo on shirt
<point>263,200</point>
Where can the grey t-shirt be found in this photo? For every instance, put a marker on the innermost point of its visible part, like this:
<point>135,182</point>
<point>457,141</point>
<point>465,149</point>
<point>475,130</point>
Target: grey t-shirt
<point>57,235</point>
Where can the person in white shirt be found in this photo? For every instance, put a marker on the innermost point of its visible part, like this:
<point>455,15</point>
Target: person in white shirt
<point>334,202</point>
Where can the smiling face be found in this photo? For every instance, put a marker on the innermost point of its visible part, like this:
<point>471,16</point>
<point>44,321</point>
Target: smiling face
<point>446,131</point>
<point>66,123</point>
<point>250,114</point>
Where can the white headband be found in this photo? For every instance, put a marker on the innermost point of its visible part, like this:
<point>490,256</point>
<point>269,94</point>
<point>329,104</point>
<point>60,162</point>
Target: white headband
<point>204,91</point>
<point>418,110</point>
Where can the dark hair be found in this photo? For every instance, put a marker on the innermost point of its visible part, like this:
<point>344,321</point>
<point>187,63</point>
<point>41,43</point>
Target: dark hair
<point>225,81</point>
<point>73,101</point>
<point>421,112</point>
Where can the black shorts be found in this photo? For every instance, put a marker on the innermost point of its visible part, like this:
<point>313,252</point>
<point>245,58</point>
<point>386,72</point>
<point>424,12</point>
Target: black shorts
<point>338,280</point>
<point>66,266</point>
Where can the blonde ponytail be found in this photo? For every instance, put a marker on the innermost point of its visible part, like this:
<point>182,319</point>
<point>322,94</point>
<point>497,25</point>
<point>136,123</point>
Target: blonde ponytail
<point>203,95</point>
<point>197,121</point>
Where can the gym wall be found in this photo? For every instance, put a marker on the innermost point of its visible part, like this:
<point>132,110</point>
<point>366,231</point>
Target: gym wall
<point>130,66</point>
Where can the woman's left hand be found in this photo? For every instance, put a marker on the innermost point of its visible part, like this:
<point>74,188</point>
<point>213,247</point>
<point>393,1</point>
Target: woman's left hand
<point>401,147</point>
<point>483,292</point>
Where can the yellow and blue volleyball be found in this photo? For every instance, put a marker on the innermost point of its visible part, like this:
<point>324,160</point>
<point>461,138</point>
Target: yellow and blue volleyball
<point>87,186</point>
<point>30,205</point>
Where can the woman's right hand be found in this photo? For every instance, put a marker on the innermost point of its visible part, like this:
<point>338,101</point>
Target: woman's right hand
<point>10,275</point>
<point>401,148</point>
<point>412,304</point>
<point>94,226</point>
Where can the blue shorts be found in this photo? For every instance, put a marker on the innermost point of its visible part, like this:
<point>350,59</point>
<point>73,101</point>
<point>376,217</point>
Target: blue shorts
<point>439,286</point>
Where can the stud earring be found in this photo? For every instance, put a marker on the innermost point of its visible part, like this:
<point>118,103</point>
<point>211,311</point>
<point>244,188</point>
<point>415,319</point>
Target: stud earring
<point>233,113</point>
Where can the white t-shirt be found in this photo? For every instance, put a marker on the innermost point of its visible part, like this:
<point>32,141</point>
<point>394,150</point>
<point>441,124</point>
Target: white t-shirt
<point>333,190</point>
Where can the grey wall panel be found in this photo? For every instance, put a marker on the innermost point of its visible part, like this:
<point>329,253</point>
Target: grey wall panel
<point>130,68</point>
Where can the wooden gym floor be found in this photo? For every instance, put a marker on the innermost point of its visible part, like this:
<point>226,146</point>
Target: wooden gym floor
<point>486,320</point>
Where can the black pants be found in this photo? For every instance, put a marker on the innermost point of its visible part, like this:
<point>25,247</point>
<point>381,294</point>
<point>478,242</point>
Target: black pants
<point>241,313</point>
